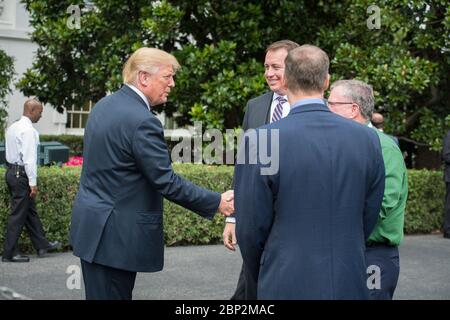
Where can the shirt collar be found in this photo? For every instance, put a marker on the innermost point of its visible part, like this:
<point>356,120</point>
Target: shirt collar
<point>276,95</point>
<point>26,119</point>
<point>139,92</point>
<point>303,102</point>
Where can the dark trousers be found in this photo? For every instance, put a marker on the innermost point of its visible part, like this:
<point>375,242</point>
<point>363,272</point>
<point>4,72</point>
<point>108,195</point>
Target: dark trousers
<point>447,210</point>
<point>23,213</point>
<point>387,259</point>
<point>246,287</point>
<point>106,283</point>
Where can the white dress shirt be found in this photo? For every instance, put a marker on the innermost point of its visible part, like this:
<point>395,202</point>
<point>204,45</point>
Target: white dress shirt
<point>139,92</point>
<point>286,106</point>
<point>21,143</point>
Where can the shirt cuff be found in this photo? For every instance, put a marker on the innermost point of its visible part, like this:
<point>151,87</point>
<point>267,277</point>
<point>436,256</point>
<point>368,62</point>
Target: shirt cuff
<point>230,220</point>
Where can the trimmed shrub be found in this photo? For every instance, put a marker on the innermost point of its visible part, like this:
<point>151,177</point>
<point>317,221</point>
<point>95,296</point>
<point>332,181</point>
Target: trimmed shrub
<point>425,206</point>
<point>58,187</point>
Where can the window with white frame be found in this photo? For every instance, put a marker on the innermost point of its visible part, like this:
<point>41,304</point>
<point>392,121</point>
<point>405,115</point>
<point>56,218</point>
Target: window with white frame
<point>77,116</point>
<point>7,14</point>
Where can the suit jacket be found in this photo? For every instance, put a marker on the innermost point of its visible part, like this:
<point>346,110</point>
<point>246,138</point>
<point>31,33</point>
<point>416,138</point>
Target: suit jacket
<point>257,112</point>
<point>302,231</point>
<point>446,157</point>
<point>117,217</point>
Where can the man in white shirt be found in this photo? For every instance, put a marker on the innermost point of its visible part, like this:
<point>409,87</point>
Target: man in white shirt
<point>21,142</point>
<point>267,108</point>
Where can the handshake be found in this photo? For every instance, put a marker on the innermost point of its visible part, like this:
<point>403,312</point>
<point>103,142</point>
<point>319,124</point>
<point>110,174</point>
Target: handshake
<point>226,206</point>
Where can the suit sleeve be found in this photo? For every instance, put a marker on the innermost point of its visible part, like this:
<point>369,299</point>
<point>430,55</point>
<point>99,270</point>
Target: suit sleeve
<point>254,194</point>
<point>244,128</point>
<point>375,189</point>
<point>152,158</point>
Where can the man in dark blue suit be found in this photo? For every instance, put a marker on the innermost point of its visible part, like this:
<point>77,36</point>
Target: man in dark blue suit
<point>264,109</point>
<point>117,218</point>
<point>302,228</point>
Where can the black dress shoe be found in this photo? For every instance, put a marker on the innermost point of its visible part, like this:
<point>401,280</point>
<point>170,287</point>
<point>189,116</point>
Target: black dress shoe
<point>447,235</point>
<point>55,245</point>
<point>17,258</point>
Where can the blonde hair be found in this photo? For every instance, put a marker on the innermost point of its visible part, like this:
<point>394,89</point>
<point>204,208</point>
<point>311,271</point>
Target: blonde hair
<point>149,60</point>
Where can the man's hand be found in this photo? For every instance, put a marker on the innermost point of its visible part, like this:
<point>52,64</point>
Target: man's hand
<point>229,236</point>
<point>226,206</point>
<point>33,192</point>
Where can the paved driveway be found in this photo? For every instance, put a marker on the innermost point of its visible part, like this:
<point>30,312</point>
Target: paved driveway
<point>211,272</point>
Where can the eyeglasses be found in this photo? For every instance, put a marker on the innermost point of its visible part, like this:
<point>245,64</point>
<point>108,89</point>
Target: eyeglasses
<point>338,102</point>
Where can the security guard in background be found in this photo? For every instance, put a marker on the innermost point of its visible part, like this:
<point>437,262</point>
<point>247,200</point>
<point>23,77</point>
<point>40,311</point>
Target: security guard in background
<point>21,142</point>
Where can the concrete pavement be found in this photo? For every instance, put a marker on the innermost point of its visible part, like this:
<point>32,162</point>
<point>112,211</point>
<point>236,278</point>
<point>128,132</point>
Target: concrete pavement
<point>211,273</point>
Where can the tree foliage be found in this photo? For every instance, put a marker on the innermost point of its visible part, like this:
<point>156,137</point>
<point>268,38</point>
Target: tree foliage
<point>221,43</point>
<point>6,75</point>
<point>407,61</point>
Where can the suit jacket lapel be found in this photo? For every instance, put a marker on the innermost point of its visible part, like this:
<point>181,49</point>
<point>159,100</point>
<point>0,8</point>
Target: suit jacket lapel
<point>268,104</point>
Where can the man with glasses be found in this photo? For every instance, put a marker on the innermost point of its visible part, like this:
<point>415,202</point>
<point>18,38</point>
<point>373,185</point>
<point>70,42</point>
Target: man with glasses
<point>302,229</point>
<point>354,100</point>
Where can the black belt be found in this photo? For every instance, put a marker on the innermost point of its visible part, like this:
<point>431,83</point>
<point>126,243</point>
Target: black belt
<point>16,167</point>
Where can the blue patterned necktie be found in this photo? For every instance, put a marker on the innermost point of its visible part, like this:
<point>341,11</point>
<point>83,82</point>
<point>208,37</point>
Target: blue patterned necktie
<point>278,112</point>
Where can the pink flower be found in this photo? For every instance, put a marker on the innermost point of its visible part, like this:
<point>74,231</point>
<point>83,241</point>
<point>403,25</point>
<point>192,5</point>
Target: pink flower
<point>74,162</point>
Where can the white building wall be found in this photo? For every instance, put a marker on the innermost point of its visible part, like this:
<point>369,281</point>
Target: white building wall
<point>15,41</point>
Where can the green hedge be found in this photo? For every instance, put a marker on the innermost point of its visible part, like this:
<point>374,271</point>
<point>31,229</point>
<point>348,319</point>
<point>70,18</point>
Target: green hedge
<point>425,205</point>
<point>57,189</point>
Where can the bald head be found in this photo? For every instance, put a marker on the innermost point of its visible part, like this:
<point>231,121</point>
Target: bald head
<point>307,69</point>
<point>377,120</point>
<point>32,109</point>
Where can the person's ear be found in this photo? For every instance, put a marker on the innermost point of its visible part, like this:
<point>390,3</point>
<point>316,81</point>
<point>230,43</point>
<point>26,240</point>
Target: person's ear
<point>356,112</point>
<point>143,78</point>
<point>284,83</point>
<point>327,83</point>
